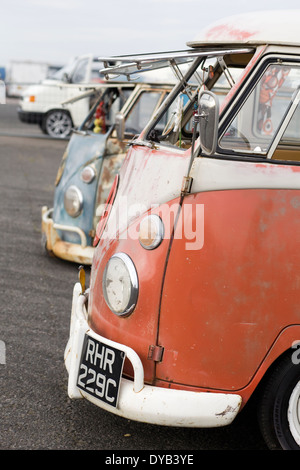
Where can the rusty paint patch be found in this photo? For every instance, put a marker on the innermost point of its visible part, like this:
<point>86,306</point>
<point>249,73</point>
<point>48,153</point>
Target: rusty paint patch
<point>295,202</point>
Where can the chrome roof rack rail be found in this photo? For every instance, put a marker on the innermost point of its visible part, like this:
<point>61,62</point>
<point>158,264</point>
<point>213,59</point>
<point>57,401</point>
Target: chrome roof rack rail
<point>129,65</point>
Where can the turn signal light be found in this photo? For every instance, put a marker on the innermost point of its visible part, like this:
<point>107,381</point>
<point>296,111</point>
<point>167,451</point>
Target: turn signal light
<point>151,232</point>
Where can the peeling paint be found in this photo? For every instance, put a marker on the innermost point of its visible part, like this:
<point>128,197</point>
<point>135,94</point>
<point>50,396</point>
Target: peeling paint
<point>227,411</point>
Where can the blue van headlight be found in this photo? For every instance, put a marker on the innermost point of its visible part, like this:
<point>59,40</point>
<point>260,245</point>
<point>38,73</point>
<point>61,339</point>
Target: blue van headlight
<point>73,201</point>
<point>120,284</point>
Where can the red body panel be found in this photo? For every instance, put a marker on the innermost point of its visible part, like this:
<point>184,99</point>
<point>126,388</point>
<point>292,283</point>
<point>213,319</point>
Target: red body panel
<point>139,330</point>
<point>223,306</point>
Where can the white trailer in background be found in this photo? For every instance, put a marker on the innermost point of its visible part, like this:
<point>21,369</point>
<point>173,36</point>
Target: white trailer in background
<point>23,73</point>
<point>2,92</point>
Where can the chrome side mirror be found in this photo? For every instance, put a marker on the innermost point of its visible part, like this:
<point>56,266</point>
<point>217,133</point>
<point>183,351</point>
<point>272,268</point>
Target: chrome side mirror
<point>208,114</point>
<point>120,126</point>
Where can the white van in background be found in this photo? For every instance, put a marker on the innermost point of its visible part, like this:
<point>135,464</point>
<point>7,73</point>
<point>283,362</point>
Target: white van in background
<point>42,103</point>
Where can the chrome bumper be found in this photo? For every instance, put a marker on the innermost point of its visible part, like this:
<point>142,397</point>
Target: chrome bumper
<point>141,402</point>
<point>82,253</point>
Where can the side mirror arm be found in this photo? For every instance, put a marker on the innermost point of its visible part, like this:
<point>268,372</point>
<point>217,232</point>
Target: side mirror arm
<point>208,117</point>
<point>120,126</point>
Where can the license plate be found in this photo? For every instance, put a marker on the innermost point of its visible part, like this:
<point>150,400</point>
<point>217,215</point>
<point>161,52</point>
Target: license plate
<point>100,370</point>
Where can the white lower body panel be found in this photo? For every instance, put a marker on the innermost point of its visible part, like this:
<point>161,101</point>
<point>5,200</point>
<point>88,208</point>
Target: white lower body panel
<point>141,402</point>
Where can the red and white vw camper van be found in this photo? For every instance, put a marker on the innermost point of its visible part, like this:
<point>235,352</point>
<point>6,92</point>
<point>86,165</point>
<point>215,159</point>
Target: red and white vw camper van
<point>193,302</point>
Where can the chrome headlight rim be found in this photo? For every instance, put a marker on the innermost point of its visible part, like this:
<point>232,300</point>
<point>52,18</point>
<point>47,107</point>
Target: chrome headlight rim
<point>131,304</point>
<point>76,211</point>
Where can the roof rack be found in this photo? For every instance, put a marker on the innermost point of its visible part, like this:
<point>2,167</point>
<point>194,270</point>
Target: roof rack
<point>132,64</point>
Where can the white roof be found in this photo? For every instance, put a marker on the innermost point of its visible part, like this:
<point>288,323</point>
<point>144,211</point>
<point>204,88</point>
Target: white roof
<point>260,27</point>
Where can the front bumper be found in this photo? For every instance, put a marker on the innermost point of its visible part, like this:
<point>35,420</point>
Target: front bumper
<point>30,117</point>
<point>82,253</point>
<point>141,402</point>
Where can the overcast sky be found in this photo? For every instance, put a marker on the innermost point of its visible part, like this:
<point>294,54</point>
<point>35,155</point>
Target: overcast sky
<point>56,30</point>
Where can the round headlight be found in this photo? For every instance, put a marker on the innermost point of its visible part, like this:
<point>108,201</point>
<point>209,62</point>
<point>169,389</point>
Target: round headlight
<point>73,201</point>
<point>151,232</point>
<point>120,284</point>
<point>88,174</point>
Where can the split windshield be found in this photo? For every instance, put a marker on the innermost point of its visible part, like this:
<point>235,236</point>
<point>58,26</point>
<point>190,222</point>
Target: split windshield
<point>266,112</point>
<point>104,106</point>
<point>219,74</point>
<point>265,125</point>
<point>217,71</point>
<point>266,122</point>
<point>175,127</point>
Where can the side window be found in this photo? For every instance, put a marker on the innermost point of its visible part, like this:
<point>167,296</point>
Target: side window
<point>141,112</point>
<point>256,124</point>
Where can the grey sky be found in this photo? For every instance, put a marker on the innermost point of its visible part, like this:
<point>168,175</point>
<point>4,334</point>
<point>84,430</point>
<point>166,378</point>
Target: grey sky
<point>55,30</point>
